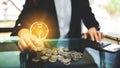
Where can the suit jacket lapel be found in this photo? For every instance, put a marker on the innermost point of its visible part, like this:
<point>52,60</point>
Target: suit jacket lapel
<point>75,25</point>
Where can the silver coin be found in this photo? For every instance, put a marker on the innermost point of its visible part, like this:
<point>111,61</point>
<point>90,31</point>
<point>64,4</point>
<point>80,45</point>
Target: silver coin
<point>48,52</point>
<point>58,54</point>
<point>44,58</point>
<point>66,49</point>
<point>77,56</point>
<point>66,61</point>
<point>66,54</point>
<point>61,49</point>
<point>53,59</point>
<point>72,53</point>
<point>60,58</point>
<point>55,52</point>
<point>36,59</point>
<point>38,54</point>
<point>43,52</point>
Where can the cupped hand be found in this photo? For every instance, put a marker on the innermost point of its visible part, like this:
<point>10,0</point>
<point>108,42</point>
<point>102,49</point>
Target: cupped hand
<point>27,41</point>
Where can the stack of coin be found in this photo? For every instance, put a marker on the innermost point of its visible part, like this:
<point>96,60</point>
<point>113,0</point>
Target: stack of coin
<point>63,55</point>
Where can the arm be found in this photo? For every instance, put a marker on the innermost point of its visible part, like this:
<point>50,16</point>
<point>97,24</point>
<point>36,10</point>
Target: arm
<point>90,22</point>
<point>33,12</point>
<point>87,16</point>
<point>27,41</point>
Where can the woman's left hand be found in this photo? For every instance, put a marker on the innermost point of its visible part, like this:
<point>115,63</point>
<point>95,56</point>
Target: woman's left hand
<point>94,34</point>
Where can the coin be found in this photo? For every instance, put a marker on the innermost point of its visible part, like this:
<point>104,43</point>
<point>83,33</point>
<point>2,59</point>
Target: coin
<point>58,54</point>
<point>66,61</point>
<point>40,45</point>
<point>44,58</point>
<point>48,52</point>
<point>66,49</point>
<point>60,58</point>
<point>76,56</point>
<point>35,59</point>
<point>53,59</point>
<point>43,52</point>
<point>61,49</point>
<point>66,54</point>
<point>55,53</point>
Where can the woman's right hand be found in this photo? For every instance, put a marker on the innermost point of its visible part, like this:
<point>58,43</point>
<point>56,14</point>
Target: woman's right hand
<point>27,41</point>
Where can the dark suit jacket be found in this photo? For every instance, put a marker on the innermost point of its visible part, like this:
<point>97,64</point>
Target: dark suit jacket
<point>44,10</point>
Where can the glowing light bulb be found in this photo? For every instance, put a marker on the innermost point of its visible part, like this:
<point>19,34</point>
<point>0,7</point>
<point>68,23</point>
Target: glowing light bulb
<point>40,30</point>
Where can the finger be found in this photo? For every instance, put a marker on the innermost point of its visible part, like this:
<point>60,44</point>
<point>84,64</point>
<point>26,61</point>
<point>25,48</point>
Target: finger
<point>34,40</point>
<point>92,37</point>
<point>23,44</point>
<point>96,37</point>
<point>102,35</point>
<point>33,47</point>
<point>85,36</point>
<point>37,42</point>
<point>99,35</point>
<point>20,47</point>
<point>30,44</point>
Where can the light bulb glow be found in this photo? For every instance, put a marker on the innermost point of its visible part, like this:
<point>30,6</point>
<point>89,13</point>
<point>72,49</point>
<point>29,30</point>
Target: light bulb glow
<point>40,30</point>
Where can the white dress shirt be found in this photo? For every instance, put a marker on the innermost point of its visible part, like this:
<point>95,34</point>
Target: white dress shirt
<point>63,8</point>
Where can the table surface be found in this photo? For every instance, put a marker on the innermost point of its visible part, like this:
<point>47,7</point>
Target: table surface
<point>10,57</point>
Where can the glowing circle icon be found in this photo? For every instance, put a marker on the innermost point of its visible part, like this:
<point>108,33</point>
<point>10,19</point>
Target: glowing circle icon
<point>40,30</point>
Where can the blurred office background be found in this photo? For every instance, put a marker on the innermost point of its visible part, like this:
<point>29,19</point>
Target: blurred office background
<point>107,12</point>
<point>9,12</point>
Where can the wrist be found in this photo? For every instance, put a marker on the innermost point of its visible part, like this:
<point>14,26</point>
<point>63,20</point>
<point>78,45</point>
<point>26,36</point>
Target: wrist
<point>93,28</point>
